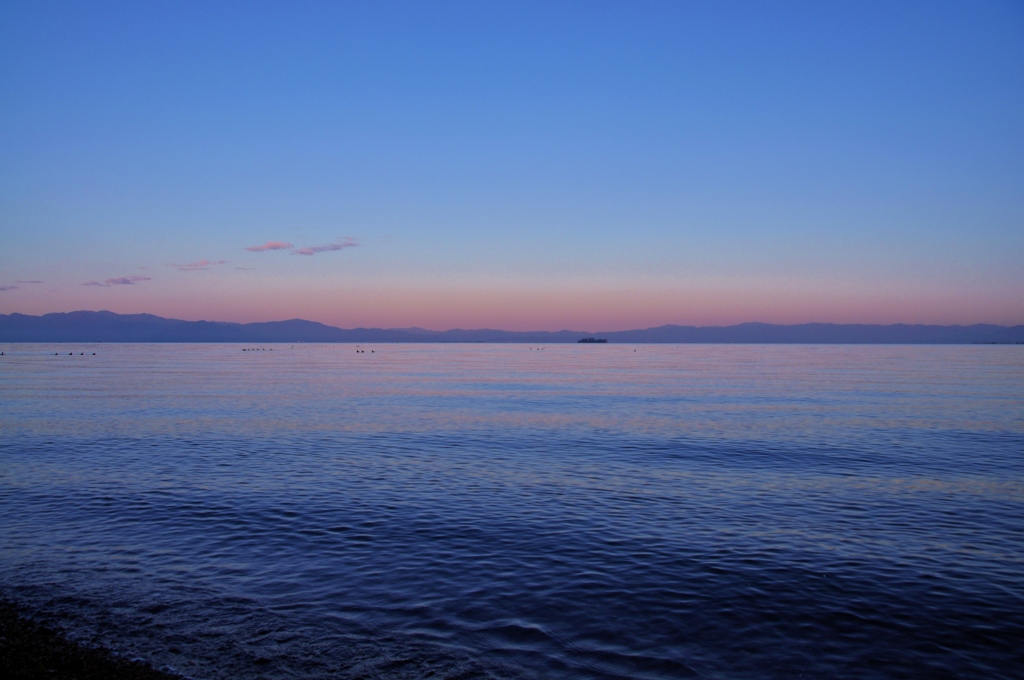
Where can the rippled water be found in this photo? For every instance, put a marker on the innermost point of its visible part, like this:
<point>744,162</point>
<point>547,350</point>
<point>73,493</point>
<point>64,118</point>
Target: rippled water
<point>499,511</point>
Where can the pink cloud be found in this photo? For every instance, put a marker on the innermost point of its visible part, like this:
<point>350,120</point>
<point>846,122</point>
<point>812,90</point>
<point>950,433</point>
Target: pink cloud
<point>197,266</point>
<point>119,281</point>
<point>28,281</point>
<point>348,242</point>
<point>271,245</point>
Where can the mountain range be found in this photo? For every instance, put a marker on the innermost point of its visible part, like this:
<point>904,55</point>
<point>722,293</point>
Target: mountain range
<point>86,326</point>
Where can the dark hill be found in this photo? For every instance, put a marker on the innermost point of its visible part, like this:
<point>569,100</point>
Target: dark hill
<point>110,327</point>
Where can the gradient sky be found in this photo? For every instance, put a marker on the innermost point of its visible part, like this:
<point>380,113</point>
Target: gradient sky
<point>516,165</point>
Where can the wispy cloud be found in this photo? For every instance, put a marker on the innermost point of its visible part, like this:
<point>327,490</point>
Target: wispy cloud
<point>8,288</point>
<point>328,247</point>
<point>245,269</point>
<point>197,266</point>
<point>271,245</point>
<point>119,281</point>
<point>346,242</point>
<point>30,282</point>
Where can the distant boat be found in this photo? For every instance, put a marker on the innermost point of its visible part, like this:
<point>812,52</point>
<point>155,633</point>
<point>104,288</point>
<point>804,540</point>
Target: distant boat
<point>596,340</point>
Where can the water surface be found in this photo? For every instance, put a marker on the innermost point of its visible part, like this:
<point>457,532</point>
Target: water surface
<point>711,511</point>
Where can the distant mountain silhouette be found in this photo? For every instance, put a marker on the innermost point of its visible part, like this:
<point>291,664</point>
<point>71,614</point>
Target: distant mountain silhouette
<point>111,327</point>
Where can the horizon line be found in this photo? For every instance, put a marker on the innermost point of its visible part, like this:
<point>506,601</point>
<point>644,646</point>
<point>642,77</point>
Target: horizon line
<point>501,330</point>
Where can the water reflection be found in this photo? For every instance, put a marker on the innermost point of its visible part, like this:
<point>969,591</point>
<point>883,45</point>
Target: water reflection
<point>489,511</point>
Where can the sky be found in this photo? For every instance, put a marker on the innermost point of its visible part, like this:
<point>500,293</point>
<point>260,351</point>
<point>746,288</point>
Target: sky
<point>516,165</point>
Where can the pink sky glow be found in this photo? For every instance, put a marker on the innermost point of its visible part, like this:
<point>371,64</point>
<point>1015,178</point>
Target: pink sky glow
<point>524,308</point>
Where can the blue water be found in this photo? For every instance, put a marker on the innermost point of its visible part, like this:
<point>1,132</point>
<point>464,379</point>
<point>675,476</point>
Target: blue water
<point>465,511</point>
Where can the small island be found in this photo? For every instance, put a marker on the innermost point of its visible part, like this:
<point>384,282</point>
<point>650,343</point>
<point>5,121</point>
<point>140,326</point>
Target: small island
<point>593,340</point>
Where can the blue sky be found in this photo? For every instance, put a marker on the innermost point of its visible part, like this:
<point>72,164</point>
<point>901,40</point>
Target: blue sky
<point>518,165</point>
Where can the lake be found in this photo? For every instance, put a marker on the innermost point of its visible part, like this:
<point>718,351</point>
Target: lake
<point>507,511</point>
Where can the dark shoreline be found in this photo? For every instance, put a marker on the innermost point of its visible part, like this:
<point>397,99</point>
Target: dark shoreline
<point>90,327</point>
<point>30,649</point>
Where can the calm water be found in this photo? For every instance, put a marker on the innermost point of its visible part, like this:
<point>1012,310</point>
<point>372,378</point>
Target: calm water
<point>468,511</point>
